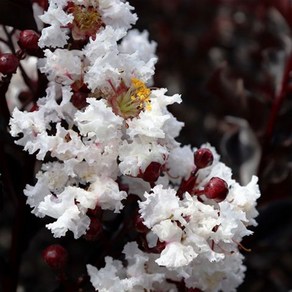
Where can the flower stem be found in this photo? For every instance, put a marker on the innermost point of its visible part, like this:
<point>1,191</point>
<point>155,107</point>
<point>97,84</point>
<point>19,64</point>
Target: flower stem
<point>278,100</point>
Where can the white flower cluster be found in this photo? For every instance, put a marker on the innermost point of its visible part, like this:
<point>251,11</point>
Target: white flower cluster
<point>100,125</point>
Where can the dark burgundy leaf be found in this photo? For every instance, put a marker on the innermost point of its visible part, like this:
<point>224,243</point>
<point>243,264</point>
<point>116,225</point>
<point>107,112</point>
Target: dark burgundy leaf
<point>17,13</point>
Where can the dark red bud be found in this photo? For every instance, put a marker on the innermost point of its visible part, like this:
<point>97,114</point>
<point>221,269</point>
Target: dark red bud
<point>55,256</point>
<point>79,99</point>
<point>95,229</point>
<point>152,172</point>
<point>8,63</point>
<point>203,157</point>
<point>216,189</point>
<point>28,40</point>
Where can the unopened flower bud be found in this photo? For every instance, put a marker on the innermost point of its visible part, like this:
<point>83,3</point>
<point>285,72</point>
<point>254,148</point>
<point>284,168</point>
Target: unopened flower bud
<point>55,256</point>
<point>28,40</point>
<point>216,189</point>
<point>8,63</point>
<point>79,99</point>
<point>203,157</point>
<point>152,172</point>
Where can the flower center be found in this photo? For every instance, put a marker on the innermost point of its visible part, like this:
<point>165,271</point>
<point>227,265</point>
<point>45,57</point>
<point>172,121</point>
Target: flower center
<point>128,102</point>
<point>87,21</point>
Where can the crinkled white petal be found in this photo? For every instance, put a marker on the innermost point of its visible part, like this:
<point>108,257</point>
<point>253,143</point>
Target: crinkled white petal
<point>244,197</point>
<point>180,162</point>
<point>108,194</point>
<point>99,121</point>
<point>134,66</point>
<point>136,276</point>
<point>137,42</point>
<point>167,231</point>
<point>136,156</point>
<point>35,126</point>
<point>62,66</point>
<point>69,215</point>
<point>105,64</point>
<point>176,255</point>
<point>117,13</point>
<point>106,279</point>
<point>154,209</point>
<point>149,123</point>
<point>71,220</point>
<point>105,41</point>
<point>55,35</point>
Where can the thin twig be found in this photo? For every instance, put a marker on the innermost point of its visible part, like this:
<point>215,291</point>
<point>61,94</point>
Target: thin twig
<point>279,98</point>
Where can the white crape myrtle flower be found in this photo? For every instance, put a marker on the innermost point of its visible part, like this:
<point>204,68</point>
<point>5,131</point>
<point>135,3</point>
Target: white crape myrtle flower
<point>52,178</point>
<point>69,215</point>
<point>225,275</point>
<point>198,233</point>
<point>150,123</point>
<point>103,56</point>
<point>63,66</point>
<point>99,121</point>
<point>84,19</point>
<point>108,65</point>
<point>137,42</point>
<point>180,163</point>
<point>117,13</point>
<point>136,155</point>
<point>137,276</point>
<point>56,34</point>
<point>35,126</point>
<point>245,198</point>
<point>108,194</point>
<point>104,137</point>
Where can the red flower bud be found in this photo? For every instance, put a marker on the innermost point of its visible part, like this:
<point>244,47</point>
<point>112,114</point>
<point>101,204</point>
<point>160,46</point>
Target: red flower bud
<point>152,172</point>
<point>8,63</point>
<point>203,157</point>
<point>55,256</point>
<point>79,99</point>
<point>216,189</point>
<point>28,40</point>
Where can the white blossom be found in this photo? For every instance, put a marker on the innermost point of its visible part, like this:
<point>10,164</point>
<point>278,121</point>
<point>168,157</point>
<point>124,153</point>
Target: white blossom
<point>96,153</point>
<point>136,277</point>
<point>99,121</point>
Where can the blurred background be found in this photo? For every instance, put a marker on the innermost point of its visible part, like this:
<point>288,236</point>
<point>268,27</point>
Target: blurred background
<point>231,61</point>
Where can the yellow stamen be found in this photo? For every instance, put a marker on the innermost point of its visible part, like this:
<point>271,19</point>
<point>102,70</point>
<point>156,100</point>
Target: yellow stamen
<point>141,93</point>
<point>86,18</point>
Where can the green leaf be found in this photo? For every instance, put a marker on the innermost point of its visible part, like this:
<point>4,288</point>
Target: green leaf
<point>17,13</point>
